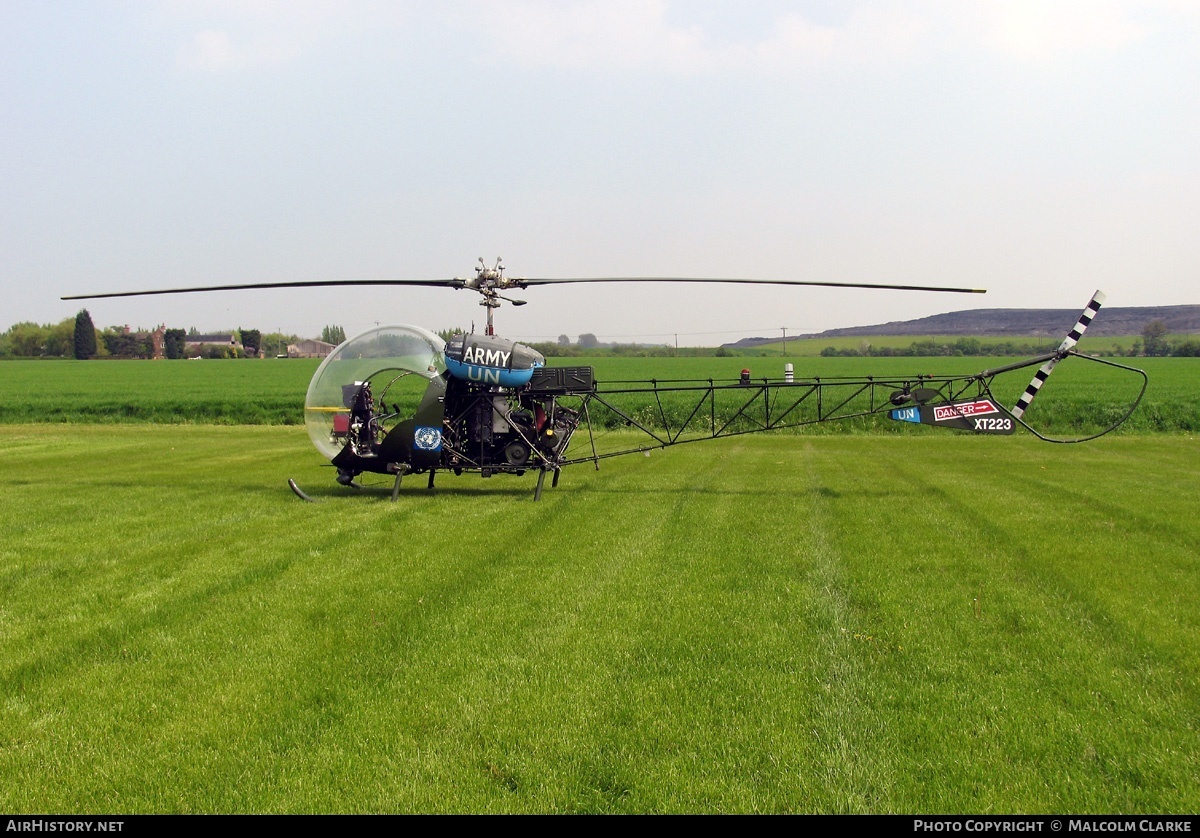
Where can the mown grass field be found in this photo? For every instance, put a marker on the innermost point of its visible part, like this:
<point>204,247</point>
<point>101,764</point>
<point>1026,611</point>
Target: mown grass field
<point>767,624</point>
<point>911,622</point>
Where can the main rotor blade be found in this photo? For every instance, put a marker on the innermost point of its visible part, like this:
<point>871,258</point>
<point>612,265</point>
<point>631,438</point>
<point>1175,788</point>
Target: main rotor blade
<point>523,281</point>
<point>319,283</point>
<point>517,282</point>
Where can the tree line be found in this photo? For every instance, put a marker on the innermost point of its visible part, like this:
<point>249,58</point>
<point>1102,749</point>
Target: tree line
<point>78,337</point>
<point>1153,342</point>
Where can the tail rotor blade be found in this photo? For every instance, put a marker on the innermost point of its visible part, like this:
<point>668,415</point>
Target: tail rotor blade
<point>1068,343</point>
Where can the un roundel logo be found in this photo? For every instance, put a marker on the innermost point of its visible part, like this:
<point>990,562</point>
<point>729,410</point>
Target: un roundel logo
<point>428,439</point>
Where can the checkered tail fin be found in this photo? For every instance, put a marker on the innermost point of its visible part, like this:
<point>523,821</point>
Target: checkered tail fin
<point>1068,343</point>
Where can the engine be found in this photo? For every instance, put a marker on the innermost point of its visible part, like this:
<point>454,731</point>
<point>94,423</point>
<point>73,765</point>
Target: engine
<point>497,430</point>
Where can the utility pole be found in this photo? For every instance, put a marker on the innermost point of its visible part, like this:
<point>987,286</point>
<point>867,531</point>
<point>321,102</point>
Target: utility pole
<point>784,339</point>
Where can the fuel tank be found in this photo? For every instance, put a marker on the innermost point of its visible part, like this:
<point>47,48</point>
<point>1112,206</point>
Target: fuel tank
<point>486,359</point>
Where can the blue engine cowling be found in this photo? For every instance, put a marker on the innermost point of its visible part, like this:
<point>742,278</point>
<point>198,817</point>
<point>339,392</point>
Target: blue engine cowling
<point>486,359</point>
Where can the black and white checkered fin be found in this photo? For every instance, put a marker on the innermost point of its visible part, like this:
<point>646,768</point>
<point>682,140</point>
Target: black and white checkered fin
<point>1071,339</point>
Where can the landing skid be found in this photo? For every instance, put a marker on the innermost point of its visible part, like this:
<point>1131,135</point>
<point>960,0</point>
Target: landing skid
<point>299,493</point>
<point>403,470</point>
<point>537,492</point>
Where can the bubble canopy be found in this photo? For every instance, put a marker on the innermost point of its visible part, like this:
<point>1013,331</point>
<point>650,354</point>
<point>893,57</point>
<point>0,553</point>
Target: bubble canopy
<point>399,361</point>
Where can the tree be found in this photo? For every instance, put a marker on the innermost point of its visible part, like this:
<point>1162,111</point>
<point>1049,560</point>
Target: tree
<point>1154,338</point>
<point>174,343</point>
<point>60,339</point>
<point>27,340</point>
<point>333,334</point>
<point>123,344</point>
<point>85,335</point>
<point>251,341</point>
<point>563,340</point>
<point>588,341</point>
<point>969,346</point>
<point>276,343</point>
<point>1188,349</point>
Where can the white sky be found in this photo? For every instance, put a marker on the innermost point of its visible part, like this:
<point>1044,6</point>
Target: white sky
<point>1041,150</point>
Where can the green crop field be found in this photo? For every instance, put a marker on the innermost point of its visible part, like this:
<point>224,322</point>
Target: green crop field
<point>223,392</point>
<point>863,622</point>
<point>272,391</point>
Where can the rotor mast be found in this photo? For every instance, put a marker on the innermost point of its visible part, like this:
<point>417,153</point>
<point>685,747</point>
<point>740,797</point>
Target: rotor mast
<point>486,281</point>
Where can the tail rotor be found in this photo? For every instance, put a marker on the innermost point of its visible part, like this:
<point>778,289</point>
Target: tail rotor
<point>973,407</point>
<point>1066,346</point>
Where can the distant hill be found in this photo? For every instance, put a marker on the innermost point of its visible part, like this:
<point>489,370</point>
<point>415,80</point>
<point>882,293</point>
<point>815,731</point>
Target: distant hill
<point>1020,322</point>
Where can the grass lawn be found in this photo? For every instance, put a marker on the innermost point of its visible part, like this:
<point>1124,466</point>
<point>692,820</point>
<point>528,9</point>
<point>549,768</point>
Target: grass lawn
<point>766,624</point>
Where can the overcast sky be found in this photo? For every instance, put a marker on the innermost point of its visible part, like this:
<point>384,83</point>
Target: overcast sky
<point>1040,150</point>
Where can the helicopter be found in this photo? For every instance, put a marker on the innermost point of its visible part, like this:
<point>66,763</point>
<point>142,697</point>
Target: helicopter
<point>398,400</point>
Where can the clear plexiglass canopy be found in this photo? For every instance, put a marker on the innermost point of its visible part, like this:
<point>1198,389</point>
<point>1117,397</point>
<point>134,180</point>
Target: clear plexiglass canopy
<point>399,361</point>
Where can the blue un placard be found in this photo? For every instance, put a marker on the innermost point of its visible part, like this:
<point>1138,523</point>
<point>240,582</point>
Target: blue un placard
<point>427,439</point>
